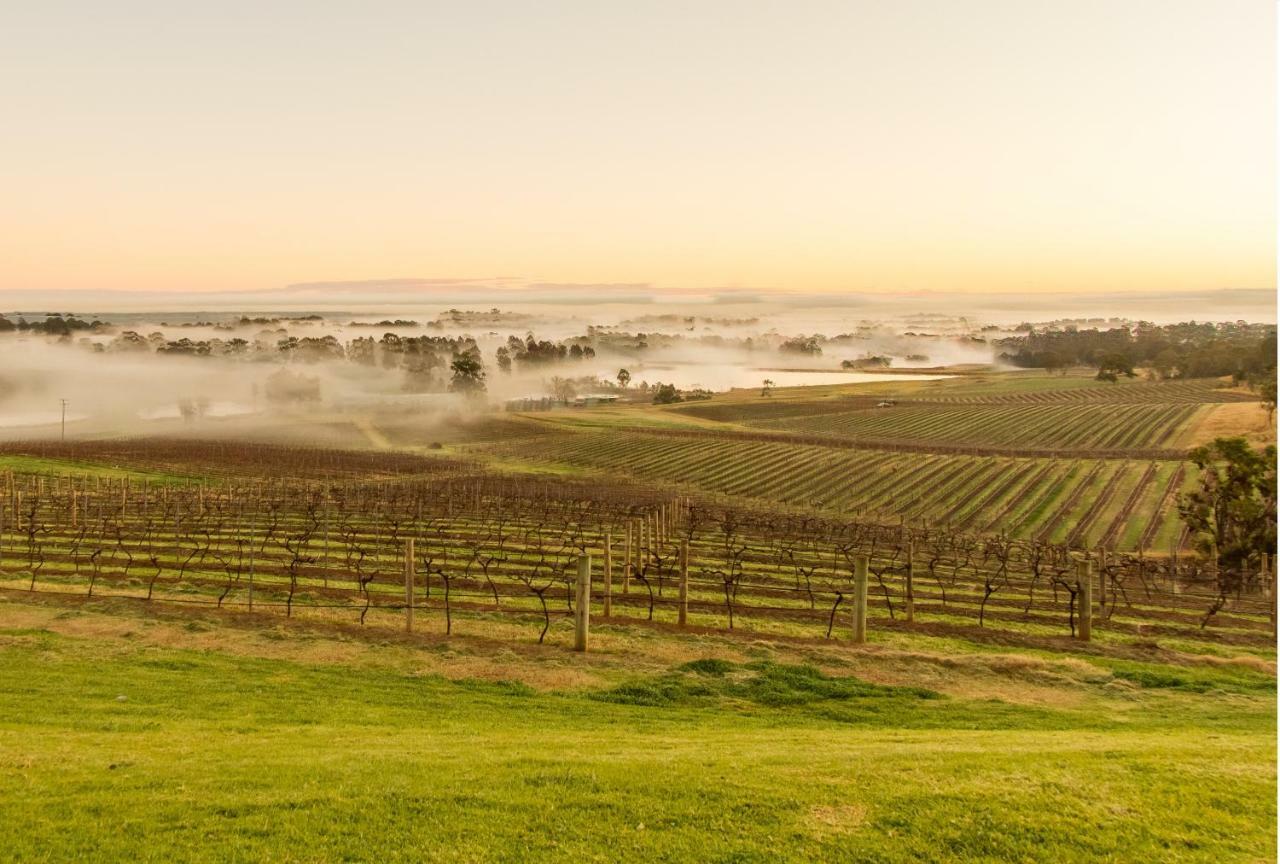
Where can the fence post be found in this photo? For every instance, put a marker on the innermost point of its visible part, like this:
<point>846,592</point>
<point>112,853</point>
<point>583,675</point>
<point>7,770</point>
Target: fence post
<point>911,575</point>
<point>408,585</point>
<point>684,582</point>
<point>1084,581</point>
<point>608,574</point>
<point>860,565</point>
<point>626,565</point>
<point>582,604</point>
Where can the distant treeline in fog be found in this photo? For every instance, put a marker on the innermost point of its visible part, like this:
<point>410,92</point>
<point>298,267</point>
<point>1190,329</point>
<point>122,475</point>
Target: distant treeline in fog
<point>1247,352</point>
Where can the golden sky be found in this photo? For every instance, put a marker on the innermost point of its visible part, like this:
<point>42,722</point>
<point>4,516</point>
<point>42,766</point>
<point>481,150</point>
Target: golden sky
<point>984,145</point>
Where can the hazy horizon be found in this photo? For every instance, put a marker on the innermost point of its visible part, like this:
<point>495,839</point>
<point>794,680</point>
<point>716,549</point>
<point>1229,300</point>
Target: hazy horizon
<point>395,298</point>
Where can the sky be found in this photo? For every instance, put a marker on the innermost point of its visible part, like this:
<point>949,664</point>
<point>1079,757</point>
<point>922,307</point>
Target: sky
<point>808,146</point>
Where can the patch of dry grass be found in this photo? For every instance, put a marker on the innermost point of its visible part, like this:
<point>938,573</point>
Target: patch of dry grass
<point>1232,419</point>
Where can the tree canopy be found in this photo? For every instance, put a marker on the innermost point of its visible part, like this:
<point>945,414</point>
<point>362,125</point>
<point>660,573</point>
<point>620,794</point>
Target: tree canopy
<point>1233,512</point>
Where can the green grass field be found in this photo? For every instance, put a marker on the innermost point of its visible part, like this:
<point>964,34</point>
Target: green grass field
<point>124,736</point>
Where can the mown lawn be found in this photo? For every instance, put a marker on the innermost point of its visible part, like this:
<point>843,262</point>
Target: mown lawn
<point>112,748</point>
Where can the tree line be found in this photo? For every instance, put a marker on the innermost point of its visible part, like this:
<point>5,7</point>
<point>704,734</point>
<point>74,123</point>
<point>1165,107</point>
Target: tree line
<point>1247,352</point>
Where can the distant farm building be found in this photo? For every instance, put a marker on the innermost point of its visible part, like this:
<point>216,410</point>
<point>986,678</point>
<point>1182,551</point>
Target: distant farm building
<point>591,399</point>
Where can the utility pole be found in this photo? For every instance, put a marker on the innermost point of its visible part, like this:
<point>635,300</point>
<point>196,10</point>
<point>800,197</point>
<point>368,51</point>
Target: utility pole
<point>64,419</point>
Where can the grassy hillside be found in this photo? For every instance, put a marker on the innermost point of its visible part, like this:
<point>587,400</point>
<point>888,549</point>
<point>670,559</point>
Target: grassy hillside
<point>166,737</point>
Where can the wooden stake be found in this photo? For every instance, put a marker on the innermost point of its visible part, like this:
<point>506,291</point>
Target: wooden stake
<point>582,605</point>
<point>911,574</point>
<point>626,567</point>
<point>1084,579</point>
<point>408,585</point>
<point>684,583</point>
<point>608,574</point>
<point>860,565</point>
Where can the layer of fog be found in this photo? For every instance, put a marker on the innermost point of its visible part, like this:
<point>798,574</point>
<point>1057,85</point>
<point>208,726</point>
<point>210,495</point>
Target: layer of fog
<point>712,346</point>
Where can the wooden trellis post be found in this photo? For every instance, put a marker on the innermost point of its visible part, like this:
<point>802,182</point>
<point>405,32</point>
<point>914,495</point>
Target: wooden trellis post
<point>860,565</point>
<point>608,574</point>
<point>582,605</point>
<point>684,583</point>
<point>1084,580</point>
<point>408,585</point>
<point>626,565</point>
<point>911,575</point>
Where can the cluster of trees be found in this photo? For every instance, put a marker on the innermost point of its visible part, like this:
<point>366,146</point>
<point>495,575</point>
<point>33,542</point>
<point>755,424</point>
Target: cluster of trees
<point>429,364</point>
<point>867,361</point>
<point>1187,350</point>
<point>668,394</point>
<point>386,322</point>
<point>808,345</point>
<point>52,325</point>
<point>531,352</point>
<point>1232,513</point>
